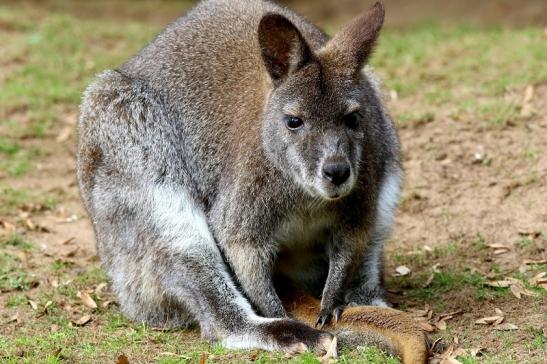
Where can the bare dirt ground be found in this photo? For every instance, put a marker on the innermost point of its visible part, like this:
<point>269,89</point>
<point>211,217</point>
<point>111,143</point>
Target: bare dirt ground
<point>474,210</point>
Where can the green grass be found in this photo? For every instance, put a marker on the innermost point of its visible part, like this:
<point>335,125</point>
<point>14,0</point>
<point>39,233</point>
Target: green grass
<point>464,70</point>
<point>13,276</point>
<point>12,200</point>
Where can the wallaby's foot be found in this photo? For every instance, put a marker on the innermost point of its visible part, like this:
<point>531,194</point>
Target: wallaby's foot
<point>286,335</point>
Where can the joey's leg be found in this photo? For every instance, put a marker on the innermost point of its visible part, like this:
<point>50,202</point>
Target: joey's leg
<point>253,269</point>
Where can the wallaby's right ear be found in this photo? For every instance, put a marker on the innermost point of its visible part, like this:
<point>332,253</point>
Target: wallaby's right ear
<point>283,48</point>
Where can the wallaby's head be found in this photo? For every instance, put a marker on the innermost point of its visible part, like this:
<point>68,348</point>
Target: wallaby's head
<point>315,118</point>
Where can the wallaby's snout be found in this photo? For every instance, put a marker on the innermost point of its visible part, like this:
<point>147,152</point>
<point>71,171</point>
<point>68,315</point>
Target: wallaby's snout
<point>335,171</point>
<point>337,176</point>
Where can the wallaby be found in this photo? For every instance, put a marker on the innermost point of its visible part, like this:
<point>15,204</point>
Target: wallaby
<point>239,150</point>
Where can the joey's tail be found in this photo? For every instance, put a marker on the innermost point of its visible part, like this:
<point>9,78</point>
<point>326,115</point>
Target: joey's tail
<point>391,330</point>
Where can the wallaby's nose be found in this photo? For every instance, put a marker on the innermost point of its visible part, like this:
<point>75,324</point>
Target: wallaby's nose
<point>336,172</point>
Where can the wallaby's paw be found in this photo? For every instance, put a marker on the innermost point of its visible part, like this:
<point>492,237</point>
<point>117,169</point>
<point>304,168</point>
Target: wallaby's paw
<point>326,315</point>
<point>294,337</point>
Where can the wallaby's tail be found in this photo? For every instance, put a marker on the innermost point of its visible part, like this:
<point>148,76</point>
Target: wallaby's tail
<point>391,330</point>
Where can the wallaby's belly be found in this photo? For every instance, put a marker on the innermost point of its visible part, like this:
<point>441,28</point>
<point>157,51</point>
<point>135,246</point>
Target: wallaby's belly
<point>302,256</point>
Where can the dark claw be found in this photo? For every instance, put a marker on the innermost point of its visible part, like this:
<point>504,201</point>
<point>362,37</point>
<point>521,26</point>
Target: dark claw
<point>322,320</point>
<point>337,313</point>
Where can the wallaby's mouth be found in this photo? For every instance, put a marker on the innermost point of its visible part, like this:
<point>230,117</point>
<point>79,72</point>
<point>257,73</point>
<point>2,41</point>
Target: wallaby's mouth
<point>332,192</point>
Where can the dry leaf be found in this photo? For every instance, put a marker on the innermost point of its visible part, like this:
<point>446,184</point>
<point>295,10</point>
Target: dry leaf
<point>82,320</point>
<point>538,279</point>
<point>122,359</point>
<point>499,284</point>
<point>33,304</point>
<point>30,224</point>
<point>14,318</point>
<point>86,299</point>
<point>532,261</point>
<point>402,270</point>
<point>527,107</point>
<point>490,320</point>
<point>100,288</point>
<point>506,327</point>
<point>64,134</point>
<point>518,290</point>
<point>441,325</point>
<point>9,227</point>
<point>105,304</point>
<point>48,303</point>
<point>450,315</point>
<point>57,352</point>
<point>54,328</point>
<point>426,326</point>
<point>499,312</point>
<point>499,248</point>
<point>428,281</point>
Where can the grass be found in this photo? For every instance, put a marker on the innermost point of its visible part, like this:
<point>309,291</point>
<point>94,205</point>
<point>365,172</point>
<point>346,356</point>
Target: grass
<point>48,57</point>
<point>13,200</point>
<point>463,70</point>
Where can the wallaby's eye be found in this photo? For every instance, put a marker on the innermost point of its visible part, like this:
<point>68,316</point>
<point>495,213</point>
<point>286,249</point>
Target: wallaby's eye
<point>293,122</point>
<point>352,120</point>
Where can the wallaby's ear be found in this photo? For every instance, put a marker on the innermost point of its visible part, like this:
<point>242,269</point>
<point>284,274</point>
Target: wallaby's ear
<point>283,48</point>
<point>351,47</point>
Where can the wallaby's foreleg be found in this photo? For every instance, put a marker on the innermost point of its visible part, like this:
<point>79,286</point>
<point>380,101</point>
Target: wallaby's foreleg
<point>340,254</point>
<point>252,265</point>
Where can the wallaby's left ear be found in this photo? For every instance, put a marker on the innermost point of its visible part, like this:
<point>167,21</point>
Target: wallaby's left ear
<point>283,48</point>
<point>351,47</point>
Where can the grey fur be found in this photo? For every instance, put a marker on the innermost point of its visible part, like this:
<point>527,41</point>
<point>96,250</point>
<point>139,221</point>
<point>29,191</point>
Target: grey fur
<point>200,196</point>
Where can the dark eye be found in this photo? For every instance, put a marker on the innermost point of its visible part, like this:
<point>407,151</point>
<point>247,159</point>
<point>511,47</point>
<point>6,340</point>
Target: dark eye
<point>293,122</point>
<point>352,120</point>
